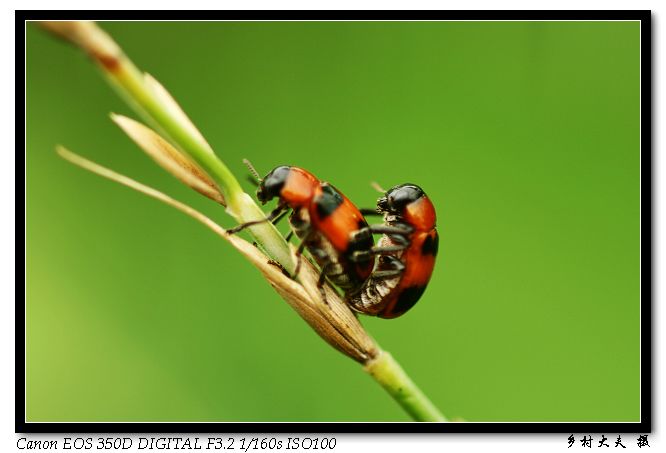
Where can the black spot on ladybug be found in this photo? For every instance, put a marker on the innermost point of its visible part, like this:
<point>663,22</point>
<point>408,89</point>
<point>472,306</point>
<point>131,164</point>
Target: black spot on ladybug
<point>328,201</point>
<point>361,240</point>
<point>408,297</point>
<point>430,245</point>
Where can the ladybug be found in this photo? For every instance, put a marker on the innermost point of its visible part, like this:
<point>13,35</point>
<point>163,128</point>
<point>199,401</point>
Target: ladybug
<point>399,278</point>
<point>329,225</point>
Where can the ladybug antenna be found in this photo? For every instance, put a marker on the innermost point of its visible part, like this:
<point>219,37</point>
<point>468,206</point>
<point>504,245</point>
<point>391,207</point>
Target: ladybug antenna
<point>250,167</point>
<point>375,185</point>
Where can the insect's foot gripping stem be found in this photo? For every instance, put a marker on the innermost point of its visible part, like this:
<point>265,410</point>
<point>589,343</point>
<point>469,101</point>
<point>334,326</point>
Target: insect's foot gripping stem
<point>275,216</point>
<point>242,226</point>
<point>299,252</point>
<point>239,228</point>
<point>326,268</point>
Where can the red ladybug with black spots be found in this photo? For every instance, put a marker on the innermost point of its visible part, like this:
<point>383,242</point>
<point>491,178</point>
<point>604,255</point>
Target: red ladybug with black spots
<point>410,244</point>
<point>329,225</point>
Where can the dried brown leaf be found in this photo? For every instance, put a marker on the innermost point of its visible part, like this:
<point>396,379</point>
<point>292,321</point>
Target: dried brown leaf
<point>169,158</point>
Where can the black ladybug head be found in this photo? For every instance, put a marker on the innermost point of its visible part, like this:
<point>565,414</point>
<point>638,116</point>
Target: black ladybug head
<point>271,186</point>
<point>398,197</point>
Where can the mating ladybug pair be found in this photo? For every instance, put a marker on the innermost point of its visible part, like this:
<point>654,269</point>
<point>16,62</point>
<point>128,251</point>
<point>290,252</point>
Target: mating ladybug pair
<point>340,240</point>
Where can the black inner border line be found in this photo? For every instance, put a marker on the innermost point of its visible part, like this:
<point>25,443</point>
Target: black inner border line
<point>647,231</point>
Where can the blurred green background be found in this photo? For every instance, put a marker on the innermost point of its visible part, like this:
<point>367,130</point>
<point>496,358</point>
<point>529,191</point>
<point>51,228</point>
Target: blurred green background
<point>525,135</point>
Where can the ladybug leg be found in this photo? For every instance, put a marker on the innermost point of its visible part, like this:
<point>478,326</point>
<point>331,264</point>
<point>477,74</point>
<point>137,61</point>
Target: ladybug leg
<point>364,255</point>
<point>400,229</point>
<point>390,267</point>
<point>326,266</point>
<point>274,215</point>
<point>299,252</point>
<point>398,232</point>
<point>370,212</point>
<point>400,243</point>
<point>280,217</point>
<point>322,279</point>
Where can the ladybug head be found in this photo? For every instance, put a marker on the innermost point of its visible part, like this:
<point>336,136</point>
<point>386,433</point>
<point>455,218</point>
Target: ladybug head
<point>271,185</point>
<point>408,203</point>
<point>398,197</point>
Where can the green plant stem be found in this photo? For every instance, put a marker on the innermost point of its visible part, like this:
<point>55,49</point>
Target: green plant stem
<point>389,374</point>
<point>131,83</point>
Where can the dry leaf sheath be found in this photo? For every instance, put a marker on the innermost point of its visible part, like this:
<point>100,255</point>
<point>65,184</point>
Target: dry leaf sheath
<point>176,145</point>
